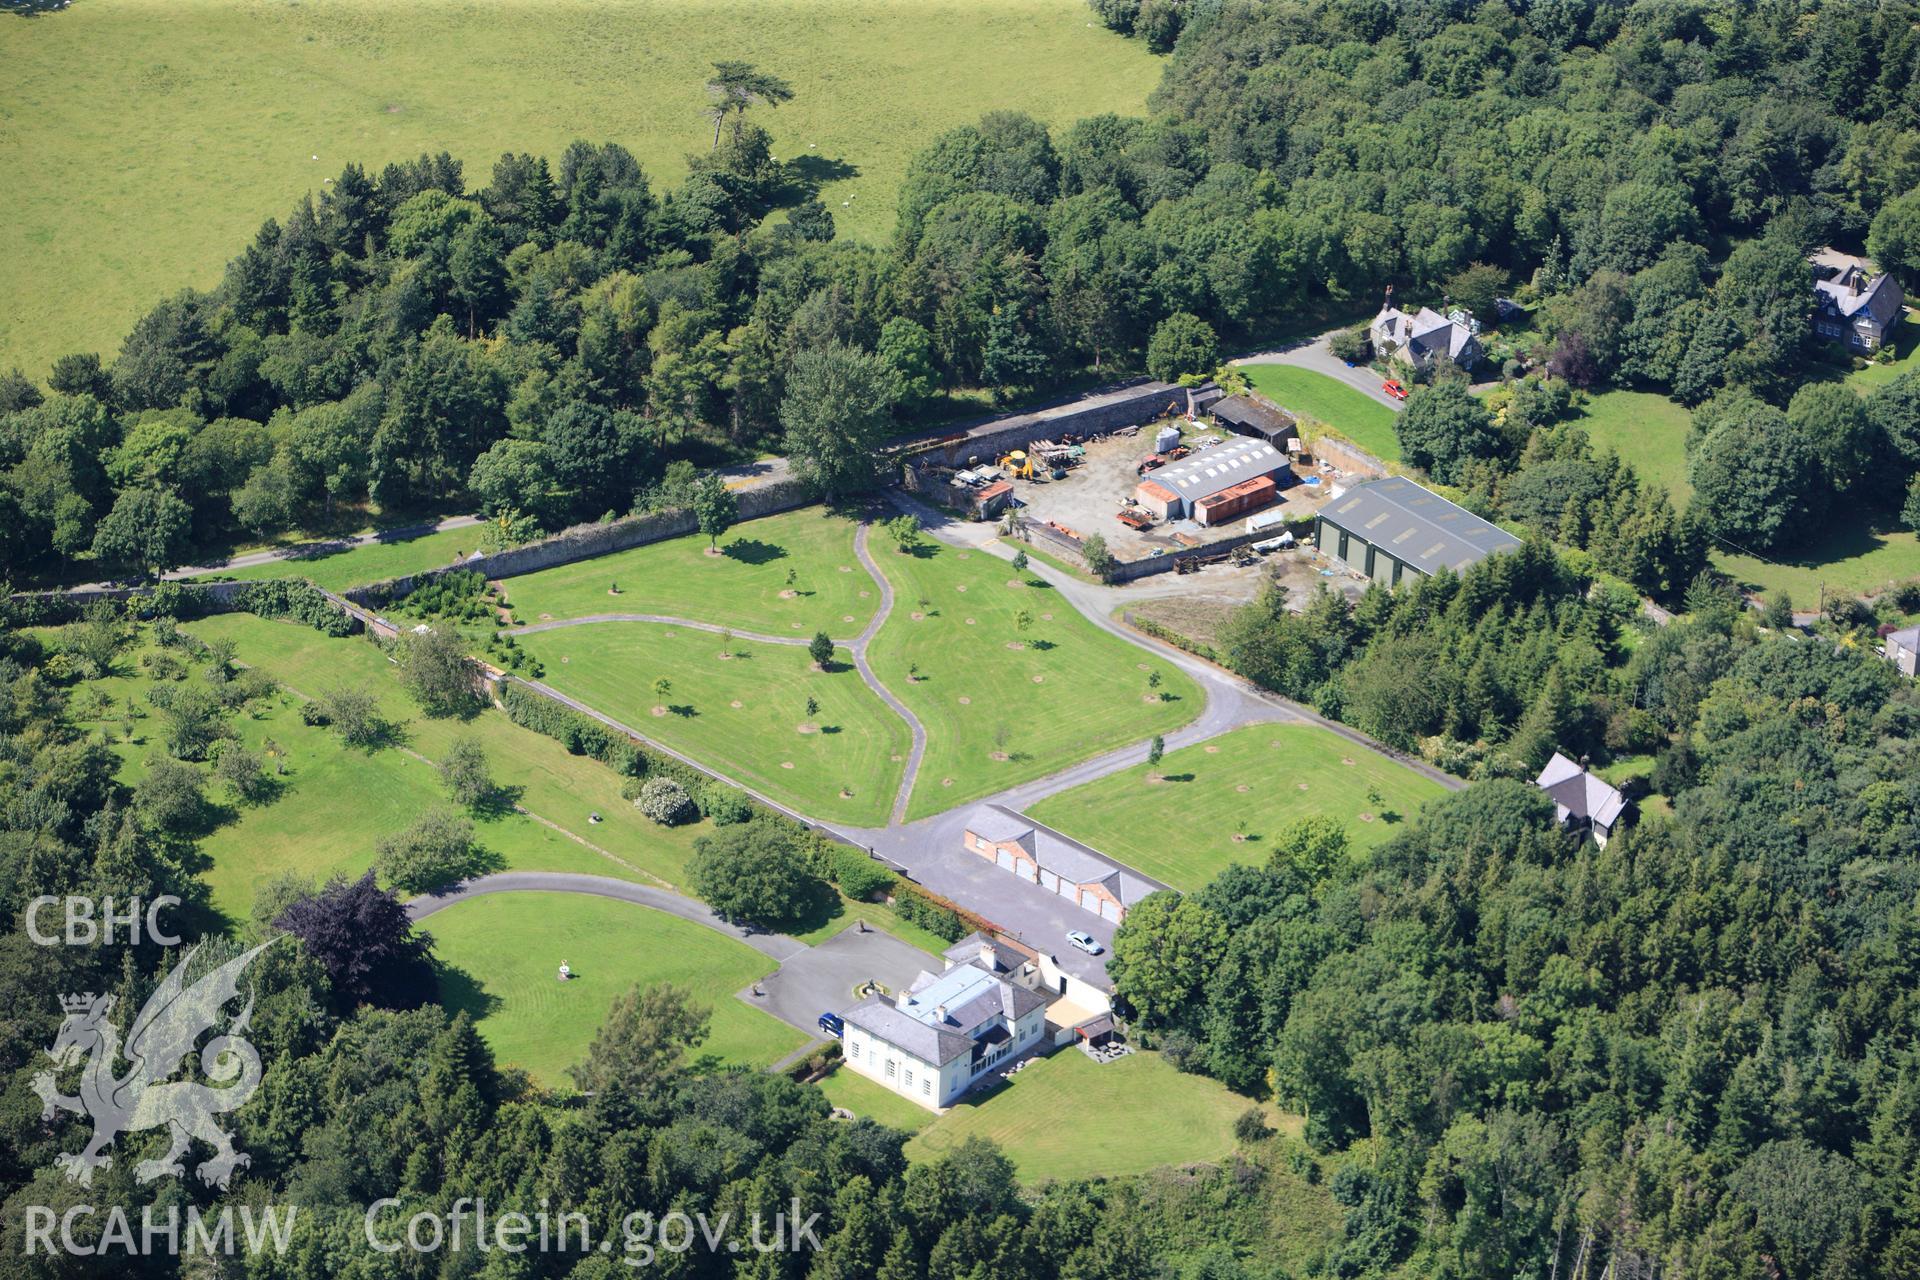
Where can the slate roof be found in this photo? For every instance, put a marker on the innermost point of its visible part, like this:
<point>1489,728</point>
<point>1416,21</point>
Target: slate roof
<point>1062,855</point>
<point>1578,794</point>
<point>1845,286</point>
<point>1207,472</point>
<point>1425,332</point>
<point>1256,417</point>
<point>940,1017</point>
<point>1415,525</point>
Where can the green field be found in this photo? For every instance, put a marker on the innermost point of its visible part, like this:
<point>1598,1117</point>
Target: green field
<point>506,951</point>
<point>370,562</point>
<point>1069,1117</point>
<point>146,140</point>
<point>1251,782</point>
<point>858,747</point>
<point>1862,553</point>
<point>1648,431</point>
<point>338,801</point>
<point>1333,404</point>
<point>742,587</point>
<point>866,1098</point>
<point>1906,344</point>
<point>1071,692</point>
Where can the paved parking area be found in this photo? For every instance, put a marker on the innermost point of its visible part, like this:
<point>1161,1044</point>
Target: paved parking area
<point>822,978</point>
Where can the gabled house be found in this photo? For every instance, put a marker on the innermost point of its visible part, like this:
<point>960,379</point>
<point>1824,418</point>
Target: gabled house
<point>1852,304</point>
<point>948,1031</point>
<point>1421,338</point>
<point>1902,649</point>
<point>1581,800</point>
<point>1057,863</point>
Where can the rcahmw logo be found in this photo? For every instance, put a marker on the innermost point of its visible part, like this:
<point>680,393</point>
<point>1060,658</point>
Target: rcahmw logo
<point>159,1039</point>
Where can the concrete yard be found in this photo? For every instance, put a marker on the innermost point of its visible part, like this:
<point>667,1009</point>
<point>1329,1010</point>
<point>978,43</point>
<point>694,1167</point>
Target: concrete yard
<point>1092,496</point>
<point>821,979</point>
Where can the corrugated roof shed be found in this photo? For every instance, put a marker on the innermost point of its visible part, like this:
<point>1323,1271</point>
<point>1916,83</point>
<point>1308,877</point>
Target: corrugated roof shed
<point>1255,417</point>
<point>1415,525</point>
<point>1221,467</point>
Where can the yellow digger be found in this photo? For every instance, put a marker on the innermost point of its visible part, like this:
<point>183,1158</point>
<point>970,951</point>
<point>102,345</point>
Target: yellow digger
<point>1018,464</point>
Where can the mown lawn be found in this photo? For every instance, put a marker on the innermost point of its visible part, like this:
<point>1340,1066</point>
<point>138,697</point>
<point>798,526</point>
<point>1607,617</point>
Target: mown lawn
<point>745,586</point>
<point>502,954</point>
<point>370,562</point>
<point>1861,553</point>
<point>1333,404</point>
<point>337,801</point>
<point>1002,705</point>
<point>1907,344</point>
<point>1069,1117</point>
<point>858,745</point>
<point>865,1098</point>
<point>1250,782</point>
<point>1647,430</point>
<point>146,140</point>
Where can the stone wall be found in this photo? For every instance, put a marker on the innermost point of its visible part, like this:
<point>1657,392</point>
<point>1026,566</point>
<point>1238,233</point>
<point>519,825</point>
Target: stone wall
<point>588,541</point>
<point>1132,405</point>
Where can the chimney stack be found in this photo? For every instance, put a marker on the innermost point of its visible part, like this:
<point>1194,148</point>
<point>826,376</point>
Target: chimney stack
<point>940,1012</point>
<point>1853,281</point>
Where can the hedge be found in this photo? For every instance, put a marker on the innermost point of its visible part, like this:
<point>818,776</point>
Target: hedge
<point>1174,638</point>
<point>300,601</point>
<point>585,736</point>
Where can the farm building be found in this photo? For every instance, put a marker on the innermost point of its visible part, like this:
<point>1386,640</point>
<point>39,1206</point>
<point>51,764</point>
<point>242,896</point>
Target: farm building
<point>1250,416</point>
<point>1392,528</point>
<point>1215,485</point>
<point>1902,649</point>
<point>1055,862</point>
<point>992,500</point>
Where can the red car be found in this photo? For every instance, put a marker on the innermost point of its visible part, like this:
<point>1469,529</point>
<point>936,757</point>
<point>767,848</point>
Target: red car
<point>1393,388</point>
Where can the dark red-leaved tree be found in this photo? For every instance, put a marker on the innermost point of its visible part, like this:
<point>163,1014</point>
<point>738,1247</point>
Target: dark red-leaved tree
<point>361,934</point>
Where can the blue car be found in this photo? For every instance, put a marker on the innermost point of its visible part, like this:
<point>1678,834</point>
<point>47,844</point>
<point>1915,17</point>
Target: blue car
<point>832,1025</point>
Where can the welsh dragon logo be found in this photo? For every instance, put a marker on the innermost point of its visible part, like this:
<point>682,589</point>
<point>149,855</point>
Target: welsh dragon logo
<point>162,1035</point>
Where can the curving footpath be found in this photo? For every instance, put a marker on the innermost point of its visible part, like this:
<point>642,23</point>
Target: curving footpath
<point>918,751</point>
<point>776,945</point>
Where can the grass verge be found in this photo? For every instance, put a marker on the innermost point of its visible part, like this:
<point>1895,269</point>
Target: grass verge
<point>1249,783</point>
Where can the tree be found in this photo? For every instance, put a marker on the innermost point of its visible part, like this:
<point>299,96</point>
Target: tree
<point>1100,561</point>
<point>837,416</point>
<point>1351,345</point>
<point>1894,239</point>
<point>666,802</point>
<point>436,852</point>
<point>1910,509</point>
<point>268,501</point>
<point>354,713</point>
<point>820,649</point>
<point>1895,409</point>
<point>1155,750</point>
<point>465,773</point>
<point>171,797</point>
<point>1162,954</point>
<point>905,532</point>
<point>147,529</point>
<point>753,874</point>
<point>735,86</point>
<point>195,720</point>
<point>1183,343</point>
<point>715,507</point>
<point>1445,426</point>
<point>1476,287</point>
<point>642,1044</point>
<point>1020,561</point>
<point>244,773</point>
<point>363,938</point>
<point>1316,847</point>
<point>906,349</point>
<point>435,669</point>
<point>1840,434</point>
<point>662,687</point>
<point>1755,480</point>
